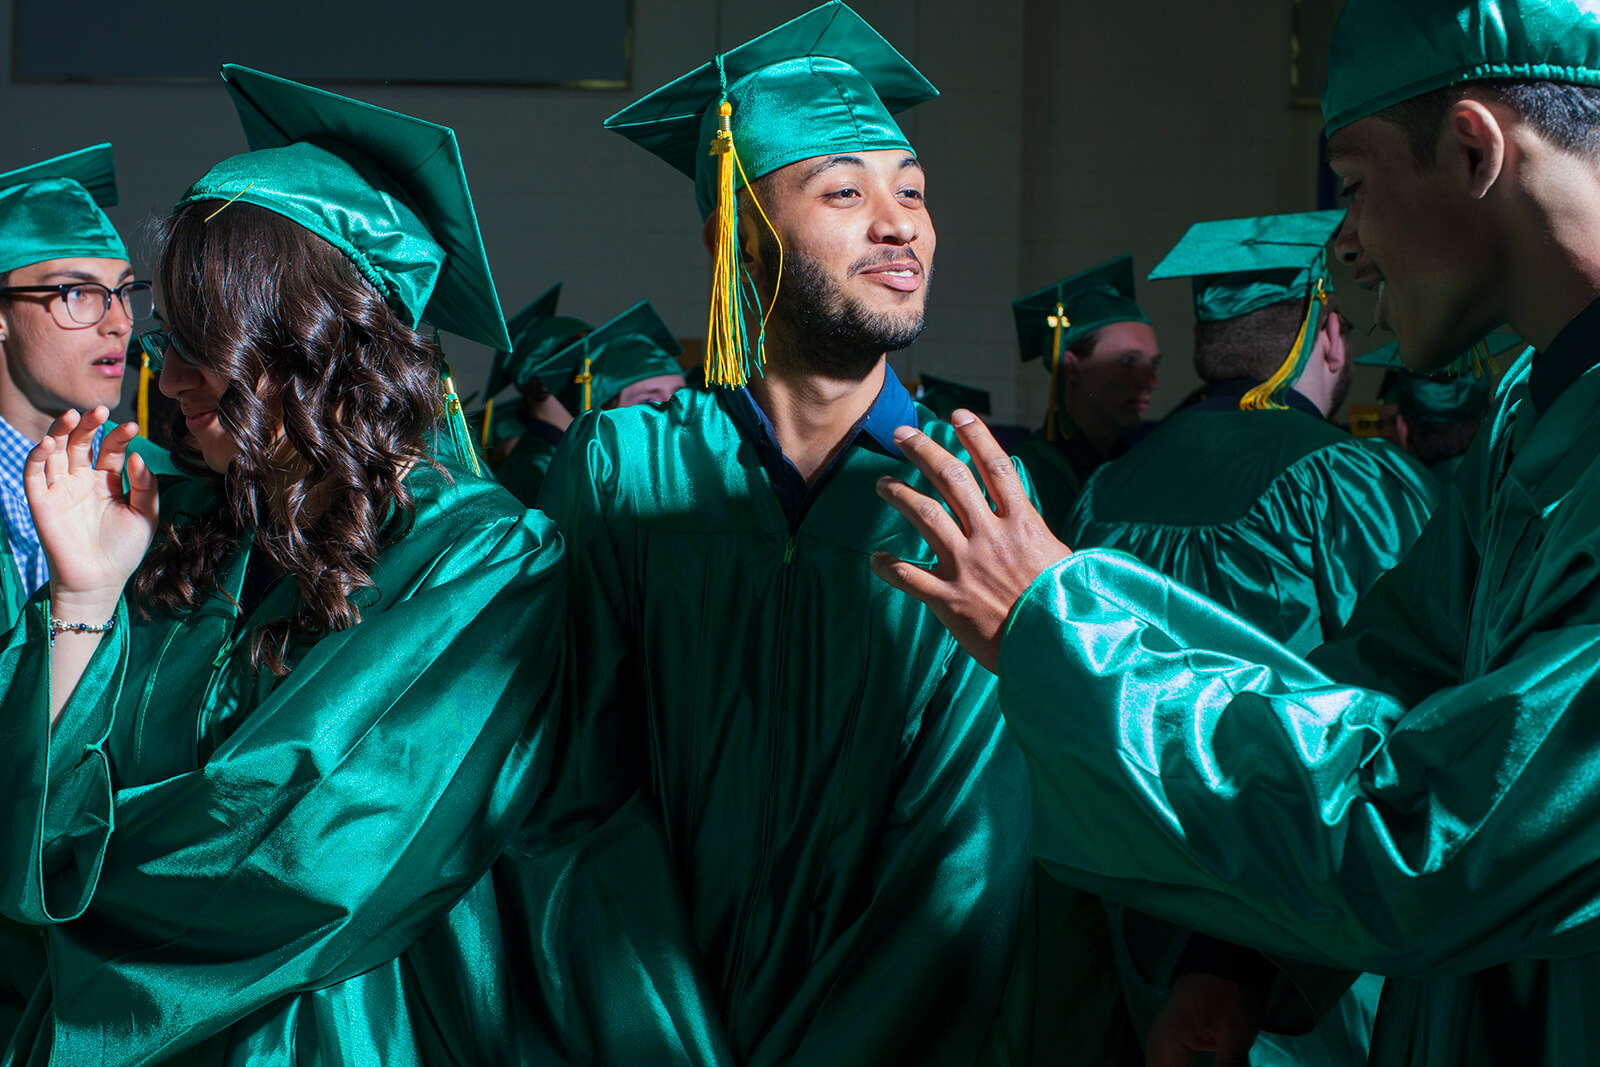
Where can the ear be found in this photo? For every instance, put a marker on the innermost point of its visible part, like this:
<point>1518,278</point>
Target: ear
<point>1402,431</point>
<point>1069,366</point>
<point>1475,146</point>
<point>1334,352</point>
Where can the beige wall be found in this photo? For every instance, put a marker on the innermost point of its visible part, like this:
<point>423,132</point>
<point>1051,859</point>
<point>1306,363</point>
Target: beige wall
<point>1067,132</point>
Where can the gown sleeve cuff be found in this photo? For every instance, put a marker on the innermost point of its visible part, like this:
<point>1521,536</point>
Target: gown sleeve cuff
<point>57,780</point>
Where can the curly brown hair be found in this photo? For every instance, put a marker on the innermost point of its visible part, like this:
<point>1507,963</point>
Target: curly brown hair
<point>332,401</point>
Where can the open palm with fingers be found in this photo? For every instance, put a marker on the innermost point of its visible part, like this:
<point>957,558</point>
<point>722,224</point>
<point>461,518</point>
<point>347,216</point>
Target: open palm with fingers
<point>93,531</point>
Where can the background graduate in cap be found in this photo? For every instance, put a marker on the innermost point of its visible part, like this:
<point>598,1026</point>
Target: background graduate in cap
<point>1434,417</point>
<point>251,801</point>
<point>69,301</point>
<point>1420,800</point>
<point>1101,352</point>
<point>536,332</point>
<point>1253,498</point>
<point>632,359</point>
<point>847,819</point>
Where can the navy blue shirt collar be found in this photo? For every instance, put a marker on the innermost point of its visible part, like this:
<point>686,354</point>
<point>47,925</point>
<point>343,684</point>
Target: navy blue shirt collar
<point>890,410</point>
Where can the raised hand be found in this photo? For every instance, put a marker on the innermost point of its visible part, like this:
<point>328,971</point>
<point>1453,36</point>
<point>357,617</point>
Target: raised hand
<point>988,556</point>
<point>94,534</point>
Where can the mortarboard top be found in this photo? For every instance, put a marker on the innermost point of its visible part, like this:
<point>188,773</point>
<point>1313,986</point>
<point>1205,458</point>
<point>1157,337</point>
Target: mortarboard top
<point>634,346</point>
<point>824,83</point>
<point>1092,299</point>
<point>1385,52</point>
<point>386,189</point>
<point>1240,266</point>
<point>1244,265</point>
<point>943,397</point>
<point>51,210</point>
<point>537,333</point>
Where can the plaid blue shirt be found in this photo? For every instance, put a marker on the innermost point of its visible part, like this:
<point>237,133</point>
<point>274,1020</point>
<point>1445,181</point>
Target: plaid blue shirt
<point>18,520</point>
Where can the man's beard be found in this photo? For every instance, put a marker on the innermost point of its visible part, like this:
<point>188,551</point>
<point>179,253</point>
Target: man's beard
<point>829,333</point>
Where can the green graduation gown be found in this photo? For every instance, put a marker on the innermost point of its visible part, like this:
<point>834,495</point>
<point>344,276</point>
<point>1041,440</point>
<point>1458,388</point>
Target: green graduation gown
<point>523,470</point>
<point>1059,470</point>
<point>1286,521</point>
<point>848,819</point>
<point>1421,801</point>
<point>1279,516</point>
<point>229,868</point>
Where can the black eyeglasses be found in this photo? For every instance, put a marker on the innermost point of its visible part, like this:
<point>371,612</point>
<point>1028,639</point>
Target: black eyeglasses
<point>155,344</point>
<point>87,303</point>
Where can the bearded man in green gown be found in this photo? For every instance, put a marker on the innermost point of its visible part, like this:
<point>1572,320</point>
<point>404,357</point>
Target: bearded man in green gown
<point>847,818</point>
<point>1421,799</point>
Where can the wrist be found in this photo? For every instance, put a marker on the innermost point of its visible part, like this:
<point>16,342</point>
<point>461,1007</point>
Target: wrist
<point>87,606</point>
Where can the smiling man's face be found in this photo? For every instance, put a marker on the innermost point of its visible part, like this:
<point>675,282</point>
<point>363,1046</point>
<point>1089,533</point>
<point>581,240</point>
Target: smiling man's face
<point>1417,239</point>
<point>857,258</point>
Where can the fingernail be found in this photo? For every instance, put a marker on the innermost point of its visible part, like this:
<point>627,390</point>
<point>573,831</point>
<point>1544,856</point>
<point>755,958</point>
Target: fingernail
<point>962,417</point>
<point>904,433</point>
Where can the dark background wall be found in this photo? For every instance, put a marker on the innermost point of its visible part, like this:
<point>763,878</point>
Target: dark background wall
<point>1067,132</point>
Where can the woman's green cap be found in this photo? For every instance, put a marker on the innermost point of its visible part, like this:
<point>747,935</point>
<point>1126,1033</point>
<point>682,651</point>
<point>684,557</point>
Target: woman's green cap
<point>386,189</point>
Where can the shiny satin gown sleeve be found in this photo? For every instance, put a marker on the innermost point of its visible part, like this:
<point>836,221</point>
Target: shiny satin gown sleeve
<point>620,972</point>
<point>1389,821</point>
<point>351,808</point>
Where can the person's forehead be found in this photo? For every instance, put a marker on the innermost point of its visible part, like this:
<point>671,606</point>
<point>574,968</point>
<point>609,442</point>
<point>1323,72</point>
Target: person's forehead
<point>886,159</point>
<point>77,269</point>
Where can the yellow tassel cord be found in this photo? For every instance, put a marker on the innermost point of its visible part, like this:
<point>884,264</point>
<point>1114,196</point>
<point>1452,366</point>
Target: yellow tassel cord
<point>143,410</point>
<point>1052,419</point>
<point>728,360</point>
<point>488,421</point>
<point>460,434</point>
<point>1266,396</point>
<point>585,378</point>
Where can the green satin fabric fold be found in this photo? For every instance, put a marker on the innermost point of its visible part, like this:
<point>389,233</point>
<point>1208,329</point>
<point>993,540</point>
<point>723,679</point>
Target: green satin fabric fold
<point>1278,516</point>
<point>1286,521</point>
<point>1419,804</point>
<point>847,819</point>
<point>523,470</point>
<point>229,869</point>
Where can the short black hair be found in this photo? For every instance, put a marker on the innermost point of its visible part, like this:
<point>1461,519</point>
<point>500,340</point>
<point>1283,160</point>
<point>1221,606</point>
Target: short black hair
<point>1568,116</point>
<point>1255,345</point>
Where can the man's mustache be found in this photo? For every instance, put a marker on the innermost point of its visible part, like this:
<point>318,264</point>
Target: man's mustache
<point>878,259</point>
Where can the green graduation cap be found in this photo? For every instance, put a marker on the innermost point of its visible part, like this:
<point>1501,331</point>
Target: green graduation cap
<point>1457,392</point>
<point>1057,317</point>
<point>1388,51</point>
<point>537,333</point>
<point>943,397</point>
<point>591,371</point>
<point>386,189</point>
<point>825,83</point>
<point>1239,266</point>
<point>51,210</point>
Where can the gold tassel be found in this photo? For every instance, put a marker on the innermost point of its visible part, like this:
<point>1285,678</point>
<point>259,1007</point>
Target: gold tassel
<point>1265,397</point>
<point>143,410</point>
<point>488,420</point>
<point>586,379</point>
<point>1052,419</point>
<point>460,434</point>
<point>728,359</point>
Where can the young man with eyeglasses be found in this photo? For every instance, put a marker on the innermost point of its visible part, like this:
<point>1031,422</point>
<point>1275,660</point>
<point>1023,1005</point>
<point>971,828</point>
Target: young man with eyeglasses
<point>68,302</point>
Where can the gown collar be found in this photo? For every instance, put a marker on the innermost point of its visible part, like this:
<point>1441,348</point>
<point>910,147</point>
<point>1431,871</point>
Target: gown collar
<point>1575,350</point>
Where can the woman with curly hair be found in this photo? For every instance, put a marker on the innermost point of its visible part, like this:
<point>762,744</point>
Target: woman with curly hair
<point>255,777</point>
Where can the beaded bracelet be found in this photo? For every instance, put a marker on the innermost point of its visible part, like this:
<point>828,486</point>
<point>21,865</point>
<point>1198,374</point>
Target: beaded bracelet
<point>59,627</point>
